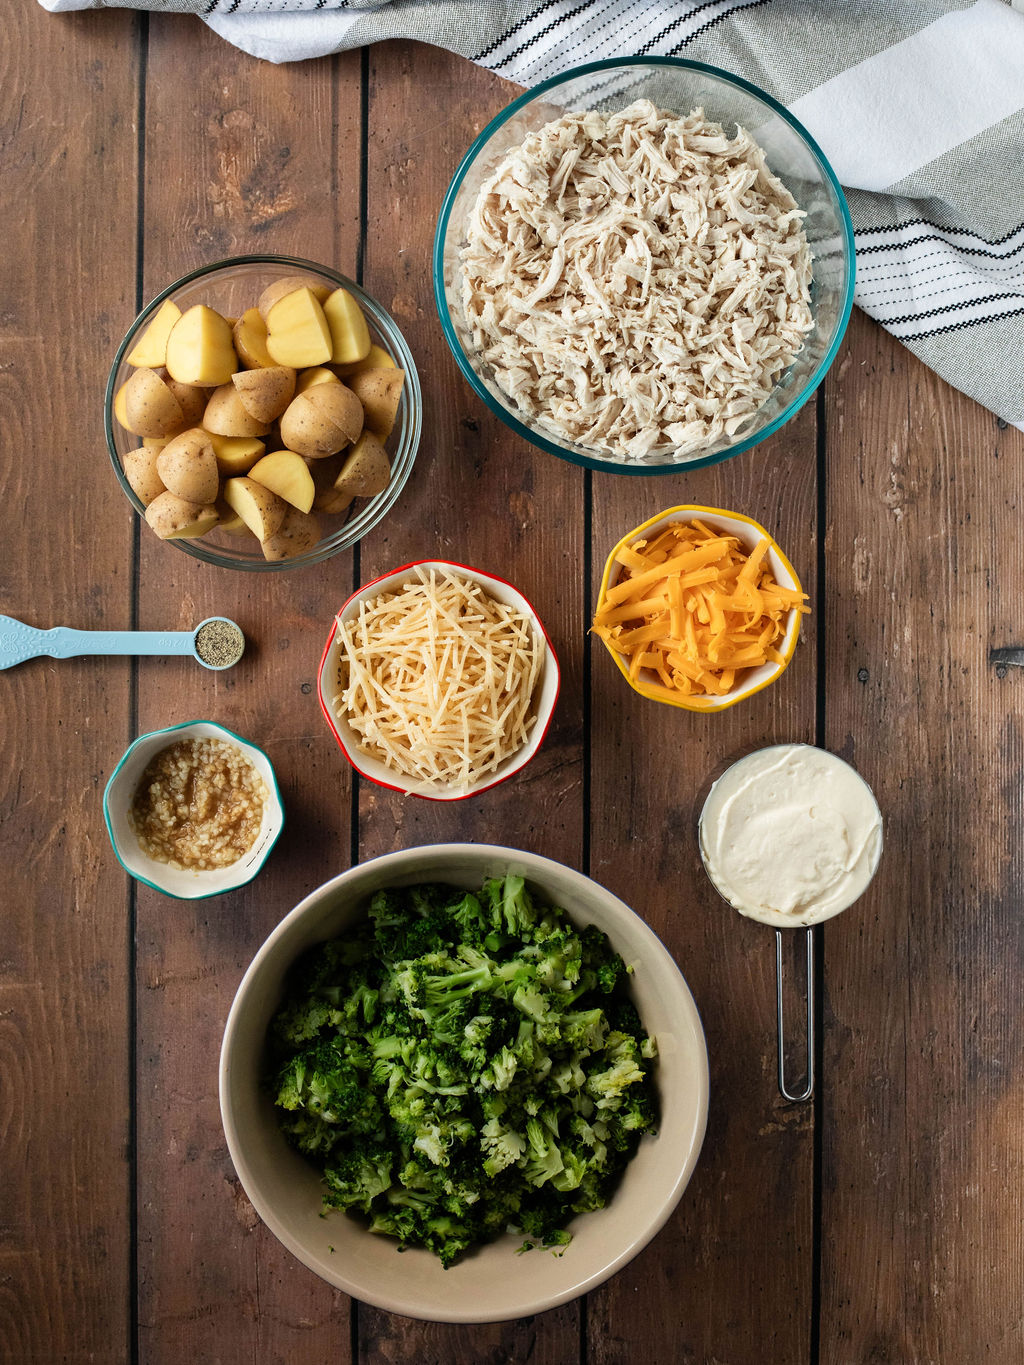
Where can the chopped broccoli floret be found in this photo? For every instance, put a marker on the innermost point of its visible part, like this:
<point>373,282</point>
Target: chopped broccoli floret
<point>463,1065</point>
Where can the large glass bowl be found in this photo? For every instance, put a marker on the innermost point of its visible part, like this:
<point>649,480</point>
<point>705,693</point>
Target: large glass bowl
<point>231,287</point>
<point>680,86</point>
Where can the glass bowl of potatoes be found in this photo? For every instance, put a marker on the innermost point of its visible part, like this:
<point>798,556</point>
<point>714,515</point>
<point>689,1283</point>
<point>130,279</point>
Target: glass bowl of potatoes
<point>263,413</point>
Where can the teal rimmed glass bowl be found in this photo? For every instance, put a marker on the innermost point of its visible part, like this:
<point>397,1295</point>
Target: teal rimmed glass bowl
<point>678,85</point>
<point>231,286</point>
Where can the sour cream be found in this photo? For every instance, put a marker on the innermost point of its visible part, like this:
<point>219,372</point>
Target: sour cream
<point>790,835</point>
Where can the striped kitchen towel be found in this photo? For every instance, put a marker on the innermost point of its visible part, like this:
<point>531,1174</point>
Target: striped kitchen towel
<point>919,105</point>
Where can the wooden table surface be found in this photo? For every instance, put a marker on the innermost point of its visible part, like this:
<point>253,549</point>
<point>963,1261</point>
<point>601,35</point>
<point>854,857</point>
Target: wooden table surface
<point>881,1223</point>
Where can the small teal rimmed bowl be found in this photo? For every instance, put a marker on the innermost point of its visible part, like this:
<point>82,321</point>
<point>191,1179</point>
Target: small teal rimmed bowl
<point>680,86</point>
<point>171,881</point>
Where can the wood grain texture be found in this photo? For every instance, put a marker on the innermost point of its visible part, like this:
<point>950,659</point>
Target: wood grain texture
<point>242,157</point>
<point>480,497</point>
<point>917,1217</point>
<point>746,1219</point>
<point>64,1028</point>
<point>923,1252</point>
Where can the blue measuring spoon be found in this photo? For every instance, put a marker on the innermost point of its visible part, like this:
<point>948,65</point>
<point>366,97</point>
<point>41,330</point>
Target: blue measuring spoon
<point>19,642</point>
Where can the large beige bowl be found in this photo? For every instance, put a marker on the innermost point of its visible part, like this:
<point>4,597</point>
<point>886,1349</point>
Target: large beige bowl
<point>493,1283</point>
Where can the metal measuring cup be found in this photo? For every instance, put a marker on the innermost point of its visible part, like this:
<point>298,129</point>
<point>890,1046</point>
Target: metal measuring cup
<point>830,901</point>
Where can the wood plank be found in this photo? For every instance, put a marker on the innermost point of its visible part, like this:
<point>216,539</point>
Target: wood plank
<point>64,1055</point>
<point>729,1278</point>
<point>240,157</point>
<point>478,496</point>
<point>923,1182</point>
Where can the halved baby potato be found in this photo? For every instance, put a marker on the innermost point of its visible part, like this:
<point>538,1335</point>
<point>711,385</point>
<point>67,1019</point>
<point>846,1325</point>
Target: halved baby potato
<point>288,284</point>
<point>226,414</point>
<point>297,331</point>
<point>350,336</point>
<point>366,470</point>
<point>174,518</point>
<point>287,475</point>
<point>250,337</point>
<point>140,470</point>
<point>319,374</point>
<point>380,392</point>
<point>265,393</point>
<point>192,399</point>
<point>200,348</point>
<point>376,358</point>
<point>322,421</point>
<point>150,408</point>
<point>297,533</point>
<point>260,509</point>
<point>188,467</point>
<point>150,351</point>
<point>236,454</point>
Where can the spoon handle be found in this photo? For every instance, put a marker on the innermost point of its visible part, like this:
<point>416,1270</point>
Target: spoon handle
<point>19,642</point>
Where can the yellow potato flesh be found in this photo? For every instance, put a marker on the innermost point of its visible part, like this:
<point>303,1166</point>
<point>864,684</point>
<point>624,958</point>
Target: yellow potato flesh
<point>331,501</point>
<point>236,454</point>
<point>150,351</point>
<point>228,520</point>
<point>286,474</point>
<point>375,359</point>
<point>200,348</point>
<point>288,285</point>
<point>308,379</point>
<point>261,510</point>
<point>120,414</point>
<point>250,338</point>
<point>297,331</point>
<point>350,336</point>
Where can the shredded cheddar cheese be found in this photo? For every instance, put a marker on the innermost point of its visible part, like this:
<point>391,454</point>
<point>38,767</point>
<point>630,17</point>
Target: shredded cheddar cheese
<point>691,610</point>
<point>438,679</point>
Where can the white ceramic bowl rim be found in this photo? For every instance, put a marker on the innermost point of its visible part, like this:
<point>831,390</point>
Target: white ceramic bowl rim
<point>276,823</point>
<point>535,868</point>
<point>544,719</point>
<point>507,414</point>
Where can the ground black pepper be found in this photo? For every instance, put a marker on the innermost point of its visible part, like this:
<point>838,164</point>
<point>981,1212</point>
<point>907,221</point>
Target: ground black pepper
<point>219,643</point>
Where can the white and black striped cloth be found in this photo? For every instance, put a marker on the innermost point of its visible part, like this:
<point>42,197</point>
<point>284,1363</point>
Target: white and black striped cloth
<point>919,105</point>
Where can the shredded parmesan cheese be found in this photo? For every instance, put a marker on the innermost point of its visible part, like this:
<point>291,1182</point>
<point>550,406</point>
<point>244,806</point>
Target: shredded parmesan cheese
<point>693,610</point>
<point>637,282</point>
<point>438,679</point>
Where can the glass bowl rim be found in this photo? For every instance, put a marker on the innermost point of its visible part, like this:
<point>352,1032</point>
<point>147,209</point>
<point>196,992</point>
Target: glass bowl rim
<point>505,414</point>
<point>404,458</point>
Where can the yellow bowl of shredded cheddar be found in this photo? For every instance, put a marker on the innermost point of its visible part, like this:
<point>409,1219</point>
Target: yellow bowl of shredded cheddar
<point>699,608</point>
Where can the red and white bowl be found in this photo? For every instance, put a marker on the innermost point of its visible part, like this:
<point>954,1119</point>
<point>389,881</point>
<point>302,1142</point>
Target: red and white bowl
<point>330,685</point>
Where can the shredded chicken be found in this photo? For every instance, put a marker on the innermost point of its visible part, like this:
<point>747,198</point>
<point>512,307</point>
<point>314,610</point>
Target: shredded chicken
<point>637,282</point>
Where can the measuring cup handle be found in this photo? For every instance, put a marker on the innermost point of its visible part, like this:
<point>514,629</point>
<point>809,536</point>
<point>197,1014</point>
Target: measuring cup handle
<point>65,643</point>
<point>784,1090</point>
